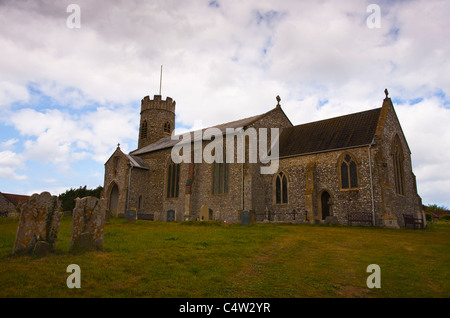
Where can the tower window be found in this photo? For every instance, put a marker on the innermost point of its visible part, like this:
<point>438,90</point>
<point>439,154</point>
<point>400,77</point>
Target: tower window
<point>349,173</point>
<point>167,127</point>
<point>144,129</point>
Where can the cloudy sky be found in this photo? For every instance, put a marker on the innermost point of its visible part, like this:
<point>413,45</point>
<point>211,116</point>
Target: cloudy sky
<point>69,94</point>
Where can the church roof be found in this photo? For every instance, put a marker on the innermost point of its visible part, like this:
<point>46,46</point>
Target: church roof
<point>137,162</point>
<point>168,142</point>
<point>341,132</point>
<point>347,131</point>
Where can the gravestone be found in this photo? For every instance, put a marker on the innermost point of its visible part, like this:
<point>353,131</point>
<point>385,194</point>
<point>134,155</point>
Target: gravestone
<point>331,219</point>
<point>39,222</point>
<point>88,222</point>
<point>245,218</point>
<point>107,215</point>
<point>131,215</point>
<point>204,213</point>
<point>170,216</point>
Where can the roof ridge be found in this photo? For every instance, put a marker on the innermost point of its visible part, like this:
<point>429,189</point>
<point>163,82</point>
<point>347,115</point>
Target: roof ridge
<point>336,117</point>
<point>340,132</point>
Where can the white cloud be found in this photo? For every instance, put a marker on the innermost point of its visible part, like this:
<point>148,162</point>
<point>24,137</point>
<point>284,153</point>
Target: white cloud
<point>9,163</point>
<point>425,125</point>
<point>8,144</point>
<point>220,64</point>
<point>62,138</point>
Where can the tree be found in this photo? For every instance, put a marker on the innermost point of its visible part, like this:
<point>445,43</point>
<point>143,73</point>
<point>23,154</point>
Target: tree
<point>68,198</point>
<point>435,207</point>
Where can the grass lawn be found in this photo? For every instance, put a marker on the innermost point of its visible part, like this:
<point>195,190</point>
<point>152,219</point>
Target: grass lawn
<point>190,260</point>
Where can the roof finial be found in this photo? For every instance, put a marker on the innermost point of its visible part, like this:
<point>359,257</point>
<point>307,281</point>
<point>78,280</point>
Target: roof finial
<point>118,145</point>
<point>278,100</point>
<point>386,92</point>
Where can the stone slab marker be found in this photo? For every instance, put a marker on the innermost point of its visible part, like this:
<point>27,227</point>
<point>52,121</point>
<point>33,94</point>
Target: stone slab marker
<point>204,213</point>
<point>88,220</point>
<point>131,215</point>
<point>245,218</point>
<point>38,224</point>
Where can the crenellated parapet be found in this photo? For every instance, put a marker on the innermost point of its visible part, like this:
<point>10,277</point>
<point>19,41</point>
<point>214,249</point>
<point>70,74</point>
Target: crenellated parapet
<point>158,103</point>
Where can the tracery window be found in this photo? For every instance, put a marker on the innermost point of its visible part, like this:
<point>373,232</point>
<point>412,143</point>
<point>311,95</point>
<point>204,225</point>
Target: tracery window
<point>281,188</point>
<point>220,178</point>
<point>399,171</point>
<point>349,173</point>
<point>173,180</point>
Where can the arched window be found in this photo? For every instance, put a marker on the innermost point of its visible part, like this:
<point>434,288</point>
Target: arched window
<point>167,127</point>
<point>349,173</point>
<point>140,202</point>
<point>281,188</point>
<point>173,180</point>
<point>220,178</point>
<point>144,129</point>
<point>399,171</point>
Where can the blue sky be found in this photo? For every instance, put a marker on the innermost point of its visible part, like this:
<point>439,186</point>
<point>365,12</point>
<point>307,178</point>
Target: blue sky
<point>69,95</point>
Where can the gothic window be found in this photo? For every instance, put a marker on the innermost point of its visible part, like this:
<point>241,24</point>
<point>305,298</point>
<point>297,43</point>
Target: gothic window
<point>173,180</point>
<point>220,178</point>
<point>167,128</point>
<point>399,171</point>
<point>349,173</point>
<point>281,188</point>
<point>144,130</point>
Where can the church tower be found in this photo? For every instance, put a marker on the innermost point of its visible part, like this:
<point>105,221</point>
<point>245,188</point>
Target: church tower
<point>157,119</point>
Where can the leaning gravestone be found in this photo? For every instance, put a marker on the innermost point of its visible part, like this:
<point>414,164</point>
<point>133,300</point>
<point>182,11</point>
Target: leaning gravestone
<point>38,224</point>
<point>87,223</point>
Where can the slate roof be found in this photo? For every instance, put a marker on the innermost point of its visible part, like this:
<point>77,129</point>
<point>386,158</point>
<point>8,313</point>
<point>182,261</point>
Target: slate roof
<point>137,162</point>
<point>347,131</point>
<point>167,142</point>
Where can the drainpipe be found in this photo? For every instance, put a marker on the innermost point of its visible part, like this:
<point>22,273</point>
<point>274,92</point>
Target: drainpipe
<point>128,190</point>
<point>243,162</point>
<point>371,184</point>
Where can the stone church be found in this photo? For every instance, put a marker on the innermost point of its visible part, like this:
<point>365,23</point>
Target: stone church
<point>328,170</point>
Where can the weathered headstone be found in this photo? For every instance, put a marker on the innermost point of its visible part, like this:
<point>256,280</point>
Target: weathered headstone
<point>41,248</point>
<point>107,215</point>
<point>206,214</point>
<point>131,215</point>
<point>39,222</point>
<point>245,218</point>
<point>331,219</point>
<point>87,223</point>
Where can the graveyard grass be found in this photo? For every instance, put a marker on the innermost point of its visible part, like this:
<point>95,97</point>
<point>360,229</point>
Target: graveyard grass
<point>218,260</point>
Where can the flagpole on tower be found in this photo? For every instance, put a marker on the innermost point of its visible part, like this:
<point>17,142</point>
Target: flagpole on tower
<point>160,81</point>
